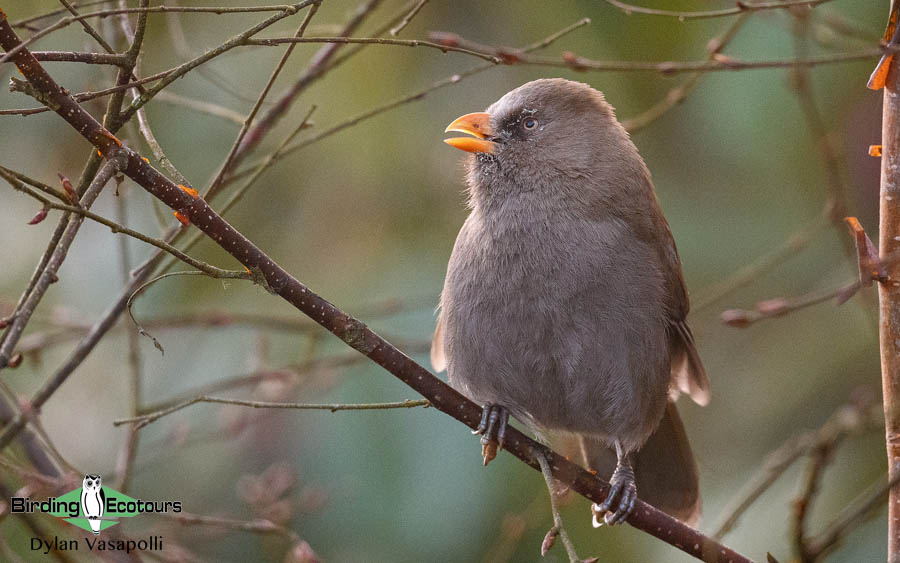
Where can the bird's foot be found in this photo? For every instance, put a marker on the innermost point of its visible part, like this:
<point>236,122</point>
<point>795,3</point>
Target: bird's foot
<point>619,501</point>
<point>492,429</point>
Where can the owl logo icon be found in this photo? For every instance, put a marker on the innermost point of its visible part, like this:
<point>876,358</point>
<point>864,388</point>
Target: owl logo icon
<point>92,501</point>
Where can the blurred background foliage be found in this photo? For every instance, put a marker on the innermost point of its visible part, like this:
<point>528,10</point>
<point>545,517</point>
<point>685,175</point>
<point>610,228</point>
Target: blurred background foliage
<point>368,216</point>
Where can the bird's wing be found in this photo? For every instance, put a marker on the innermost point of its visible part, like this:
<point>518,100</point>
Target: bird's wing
<point>438,356</point>
<point>688,374</point>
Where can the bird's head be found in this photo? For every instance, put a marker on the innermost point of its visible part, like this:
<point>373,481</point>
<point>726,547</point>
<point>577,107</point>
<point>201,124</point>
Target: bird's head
<point>546,134</point>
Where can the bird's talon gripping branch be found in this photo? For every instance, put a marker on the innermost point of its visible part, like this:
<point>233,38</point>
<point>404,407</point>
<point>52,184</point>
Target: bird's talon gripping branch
<point>492,428</point>
<point>619,502</point>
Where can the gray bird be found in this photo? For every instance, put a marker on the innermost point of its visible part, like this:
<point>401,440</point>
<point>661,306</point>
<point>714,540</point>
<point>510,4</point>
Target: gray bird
<point>564,303</point>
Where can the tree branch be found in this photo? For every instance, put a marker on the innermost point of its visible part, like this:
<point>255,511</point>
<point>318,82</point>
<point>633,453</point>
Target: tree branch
<point>889,293</point>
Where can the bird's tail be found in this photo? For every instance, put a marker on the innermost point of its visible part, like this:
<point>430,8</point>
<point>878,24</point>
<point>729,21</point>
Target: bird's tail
<point>664,468</point>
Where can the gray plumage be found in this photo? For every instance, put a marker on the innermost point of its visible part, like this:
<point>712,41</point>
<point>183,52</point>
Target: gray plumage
<point>564,300</point>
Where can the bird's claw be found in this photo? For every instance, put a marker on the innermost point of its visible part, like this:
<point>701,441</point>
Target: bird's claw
<point>492,429</point>
<point>619,502</point>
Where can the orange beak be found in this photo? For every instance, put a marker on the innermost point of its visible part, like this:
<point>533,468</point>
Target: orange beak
<point>476,124</point>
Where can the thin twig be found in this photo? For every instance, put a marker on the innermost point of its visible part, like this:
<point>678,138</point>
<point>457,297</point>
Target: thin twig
<point>857,415</point>
<point>236,41</point>
<point>247,121</point>
<point>774,466</point>
<point>853,515</point>
<point>408,98</point>
<point>48,275</point>
<point>741,8</point>
<point>129,448</point>
<point>258,526</point>
<point>78,57</point>
<point>145,419</point>
<point>273,41</point>
<point>200,105</point>
<point>832,159</point>
<point>119,228</point>
<point>765,263</point>
<point>408,17</point>
<point>780,306</point>
<point>146,285</point>
<point>677,95</point>
<point>318,66</point>
<point>64,22</point>
<point>558,529</point>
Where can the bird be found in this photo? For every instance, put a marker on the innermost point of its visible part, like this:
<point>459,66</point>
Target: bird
<point>92,501</point>
<point>564,303</point>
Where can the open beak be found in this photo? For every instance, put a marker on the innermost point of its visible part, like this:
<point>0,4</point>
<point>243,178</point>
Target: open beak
<point>476,124</point>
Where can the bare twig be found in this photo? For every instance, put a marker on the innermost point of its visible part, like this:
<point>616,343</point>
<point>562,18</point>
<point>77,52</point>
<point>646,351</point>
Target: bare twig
<point>48,275</point>
<point>678,94</point>
<point>852,516</point>
<point>76,57</point>
<point>129,448</point>
<point>258,526</point>
<point>850,418</point>
<point>145,419</point>
<point>831,157</point>
<point>558,529</point>
<point>316,69</point>
<point>858,415</point>
<point>775,464</point>
<point>741,8</point>
<point>119,228</point>
<point>415,96</point>
<point>408,17</point>
<point>143,287</point>
<point>765,263</point>
<point>780,306</point>
<point>64,22</point>
<point>229,162</point>
<point>200,105</point>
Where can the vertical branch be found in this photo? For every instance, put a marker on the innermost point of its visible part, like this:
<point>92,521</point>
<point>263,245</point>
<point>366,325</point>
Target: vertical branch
<point>889,293</point>
<point>128,451</point>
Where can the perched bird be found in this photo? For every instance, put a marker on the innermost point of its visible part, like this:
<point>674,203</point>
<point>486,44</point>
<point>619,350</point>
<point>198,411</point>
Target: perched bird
<point>564,303</point>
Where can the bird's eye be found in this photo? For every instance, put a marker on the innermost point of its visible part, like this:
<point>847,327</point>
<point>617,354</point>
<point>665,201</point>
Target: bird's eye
<point>529,123</point>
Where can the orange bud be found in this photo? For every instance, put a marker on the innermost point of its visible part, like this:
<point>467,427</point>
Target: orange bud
<point>879,75</point>
<point>182,218</point>
<point>874,150</point>
<point>109,135</point>
<point>189,191</point>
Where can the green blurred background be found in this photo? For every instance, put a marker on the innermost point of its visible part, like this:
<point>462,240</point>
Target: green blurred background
<point>369,215</point>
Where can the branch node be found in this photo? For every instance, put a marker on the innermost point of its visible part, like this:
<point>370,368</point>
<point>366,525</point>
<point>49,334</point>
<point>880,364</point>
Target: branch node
<point>259,278</point>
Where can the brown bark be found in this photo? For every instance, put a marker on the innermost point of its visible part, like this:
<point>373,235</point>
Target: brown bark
<point>889,293</point>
